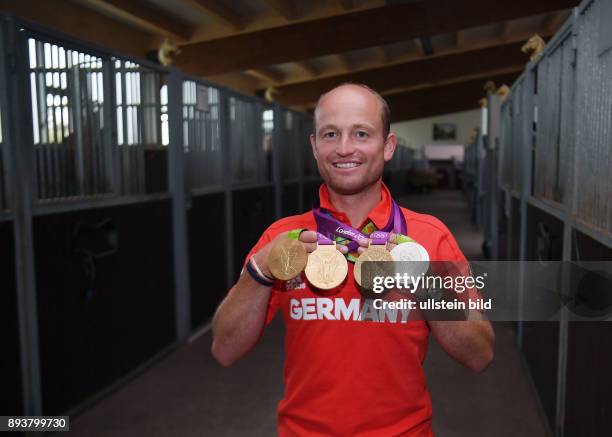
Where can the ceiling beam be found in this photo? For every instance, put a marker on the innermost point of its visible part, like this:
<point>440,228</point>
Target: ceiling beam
<point>149,15</point>
<point>384,54</point>
<point>554,21</point>
<point>220,11</point>
<point>268,73</point>
<point>347,5</point>
<point>337,34</point>
<point>285,8</point>
<point>345,61</point>
<point>308,68</point>
<point>86,24</point>
<point>409,73</point>
<point>460,39</point>
<point>505,30</point>
<point>439,100</point>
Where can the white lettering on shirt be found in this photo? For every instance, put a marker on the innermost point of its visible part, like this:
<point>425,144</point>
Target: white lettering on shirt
<point>323,308</point>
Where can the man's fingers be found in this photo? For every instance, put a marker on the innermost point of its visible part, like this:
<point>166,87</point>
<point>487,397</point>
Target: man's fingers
<point>310,247</point>
<point>308,237</point>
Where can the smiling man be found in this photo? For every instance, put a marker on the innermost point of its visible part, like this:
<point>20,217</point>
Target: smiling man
<point>350,370</point>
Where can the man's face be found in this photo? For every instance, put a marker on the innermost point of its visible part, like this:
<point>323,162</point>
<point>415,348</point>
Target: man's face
<point>348,143</point>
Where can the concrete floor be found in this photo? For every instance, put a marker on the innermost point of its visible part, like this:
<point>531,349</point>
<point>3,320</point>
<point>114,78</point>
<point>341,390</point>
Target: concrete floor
<point>188,394</point>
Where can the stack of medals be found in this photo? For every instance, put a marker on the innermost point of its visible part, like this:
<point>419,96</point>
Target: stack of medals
<point>326,268</point>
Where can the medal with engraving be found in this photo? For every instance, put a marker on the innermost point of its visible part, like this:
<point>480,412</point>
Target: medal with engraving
<point>413,253</point>
<point>326,267</point>
<point>376,251</point>
<point>287,259</point>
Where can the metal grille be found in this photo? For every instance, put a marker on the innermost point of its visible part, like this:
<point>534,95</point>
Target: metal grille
<point>290,143</point>
<point>201,136</point>
<point>506,142</point>
<point>138,112</point>
<point>520,124</point>
<point>309,166</point>
<point>251,126</point>
<point>69,127</point>
<point>554,143</point>
<point>593,121</point>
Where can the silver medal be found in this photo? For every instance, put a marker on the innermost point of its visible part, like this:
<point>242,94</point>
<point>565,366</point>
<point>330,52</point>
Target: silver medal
<point>412,251</point>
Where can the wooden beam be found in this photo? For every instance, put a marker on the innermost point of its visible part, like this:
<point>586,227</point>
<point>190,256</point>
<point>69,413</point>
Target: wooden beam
<point>146,13</point>
<point>418,47</point>
<point>384,54</point>
<point>505,30</point>
<point>347,5</point>
<point>460,39</point>
<point>268,73</point>
<point>385,25</point>
<point>85,24</point>
<point>554,21</point>
<point>285,8</point>
<point>220,11</point>
<point>308,68</point>
<point>409,73</point>
<point>345,61</point>
<point>439,100</point>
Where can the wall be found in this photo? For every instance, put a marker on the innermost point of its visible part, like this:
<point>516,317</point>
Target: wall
<point>417,133</point>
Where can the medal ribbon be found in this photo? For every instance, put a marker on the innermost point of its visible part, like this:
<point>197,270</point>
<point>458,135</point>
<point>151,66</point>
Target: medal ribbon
<point>333,229</point>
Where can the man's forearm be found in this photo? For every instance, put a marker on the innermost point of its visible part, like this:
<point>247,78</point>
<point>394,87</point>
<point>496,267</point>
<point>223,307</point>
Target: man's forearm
<point>469,342</point>
<point>239,320</point>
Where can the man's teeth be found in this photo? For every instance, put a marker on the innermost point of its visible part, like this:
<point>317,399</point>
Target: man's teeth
<point>346,164</point>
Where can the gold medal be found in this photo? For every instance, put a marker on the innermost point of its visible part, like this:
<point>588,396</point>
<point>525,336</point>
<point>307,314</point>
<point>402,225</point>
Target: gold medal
<point>377,252</point>
<point>326,267</point>
<point>287,259</point>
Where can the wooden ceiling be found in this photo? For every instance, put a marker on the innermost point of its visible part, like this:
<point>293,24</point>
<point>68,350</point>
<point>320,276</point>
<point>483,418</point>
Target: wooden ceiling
<point>426,56</point>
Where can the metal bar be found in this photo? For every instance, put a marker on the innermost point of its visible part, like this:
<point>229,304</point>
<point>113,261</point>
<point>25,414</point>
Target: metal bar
<point>226,163</point>
<point>6,170</point>
<point>277,144</point>
<point>79,152</point>
<point>525,155</point>
<point>493,137</point>
<point>104,200</point>
<point>176,183</point>
<point>567,253</point>
<point>113,170</point>
<point>18,133</point>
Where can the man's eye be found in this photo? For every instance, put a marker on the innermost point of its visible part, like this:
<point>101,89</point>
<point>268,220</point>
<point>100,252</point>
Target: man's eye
<point>361,134</point>
<point>329,135</point>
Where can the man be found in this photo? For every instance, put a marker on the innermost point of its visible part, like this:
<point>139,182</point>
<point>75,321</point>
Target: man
<point>346,375</point>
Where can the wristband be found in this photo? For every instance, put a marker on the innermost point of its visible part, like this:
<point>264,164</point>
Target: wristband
<point>295,233</point>
<point>258,277</point>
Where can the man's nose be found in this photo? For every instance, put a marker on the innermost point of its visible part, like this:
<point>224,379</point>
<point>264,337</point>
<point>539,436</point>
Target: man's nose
<point>345,146</point>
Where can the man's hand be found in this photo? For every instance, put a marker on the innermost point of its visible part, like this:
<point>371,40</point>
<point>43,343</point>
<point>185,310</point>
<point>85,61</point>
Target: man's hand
<point>308,240</point>
<point>240,318</point>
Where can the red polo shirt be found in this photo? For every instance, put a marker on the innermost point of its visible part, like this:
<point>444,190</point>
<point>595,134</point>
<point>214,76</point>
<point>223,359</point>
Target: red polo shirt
<point>352,370</point>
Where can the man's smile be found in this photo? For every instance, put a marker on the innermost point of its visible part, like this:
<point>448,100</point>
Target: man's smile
<point>346,164</point>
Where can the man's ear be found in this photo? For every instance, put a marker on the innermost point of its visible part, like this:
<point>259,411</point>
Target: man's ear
<point>390,145</point>
<point>313,143</point>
